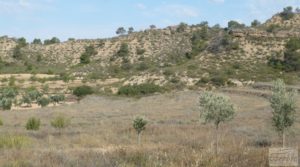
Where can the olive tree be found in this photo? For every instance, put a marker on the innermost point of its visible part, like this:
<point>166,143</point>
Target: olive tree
<point>56,99</point>
<point>6,98</point>
<point>43,101</point>
<point>6,103</point>
<point>26,99</point>
<point>215,109</point>
<point>283,103</point>
<point>139,124</point>
<point>31,95</point>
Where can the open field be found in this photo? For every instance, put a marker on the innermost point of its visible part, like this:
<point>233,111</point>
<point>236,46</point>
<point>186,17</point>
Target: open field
<point>101,133</point>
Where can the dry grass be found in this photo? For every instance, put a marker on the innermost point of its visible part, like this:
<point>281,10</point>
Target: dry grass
<point>101,134</point>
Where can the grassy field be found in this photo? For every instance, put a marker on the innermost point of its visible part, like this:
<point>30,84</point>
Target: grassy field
<point>101,134</point>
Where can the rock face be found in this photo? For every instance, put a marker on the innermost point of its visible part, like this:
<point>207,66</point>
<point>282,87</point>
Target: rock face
<point>256,33</point>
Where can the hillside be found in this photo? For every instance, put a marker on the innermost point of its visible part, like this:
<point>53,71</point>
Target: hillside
<point>177,56</point>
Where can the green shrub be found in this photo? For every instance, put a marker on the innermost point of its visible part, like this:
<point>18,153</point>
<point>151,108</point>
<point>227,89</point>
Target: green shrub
<point>218,80</point>
<point>123,51</point>
<point>262,142</point>
<point>26,100</point>
<point>55,99</point>
<point>37,41</point>
<point>82,91</point>
<point>89,52</point>
<point>136,90</point>
<point>17,53</point>
<point>43,101</point>
<point>6,103</point>
<point>22,42</point>
<point>199,39</point>
<point>60,122</point>
<point>235,25</point>
<point>1,122</point>
<point>29,67</point>
<point>182,27</point>
<point>34,94</point>
<point>203,81</point>
<point>31,95</point>
<point>51,41</point>
<point>140,51</point>
<point>291,59</point>
<point>9,93</point>
<point>33,124</point>
<point>168,72</point>
<point>65,77</point>
<point>275,63</point>
<point>293,44</point>
<point>287,13</point>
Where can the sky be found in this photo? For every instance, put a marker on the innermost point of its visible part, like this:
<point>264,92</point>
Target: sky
<point>90,19</point>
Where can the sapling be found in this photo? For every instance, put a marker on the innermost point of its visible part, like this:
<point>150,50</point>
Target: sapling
<point>215,109</point>
<point>283,103</point>
<point>139,124</point>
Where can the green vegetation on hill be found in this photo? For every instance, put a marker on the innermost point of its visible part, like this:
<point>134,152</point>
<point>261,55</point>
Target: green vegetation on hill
<point>138,90</point>
<point>291,58</point>
<point>86,56</point>
<point>287,13</point>
<point>51,41</point>
<point>202,54</point>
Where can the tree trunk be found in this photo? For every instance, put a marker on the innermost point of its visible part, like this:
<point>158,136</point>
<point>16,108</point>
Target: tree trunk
<point>139,138</point>
<point>283,139</point>
<point>216,141</point>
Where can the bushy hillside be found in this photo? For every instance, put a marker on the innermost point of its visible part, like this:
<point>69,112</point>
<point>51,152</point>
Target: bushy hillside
<point>177,56</point>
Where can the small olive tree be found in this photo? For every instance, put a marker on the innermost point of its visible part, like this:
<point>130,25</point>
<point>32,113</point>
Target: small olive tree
<point>30,96</point>
<point>283,103</point>
<point>139,124</point>
<point>56,99</point>
<point>7,97</point>
<point>43,101</point>
<point>215,109</point>
<point>26,99</point>
<point>6,103</point>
